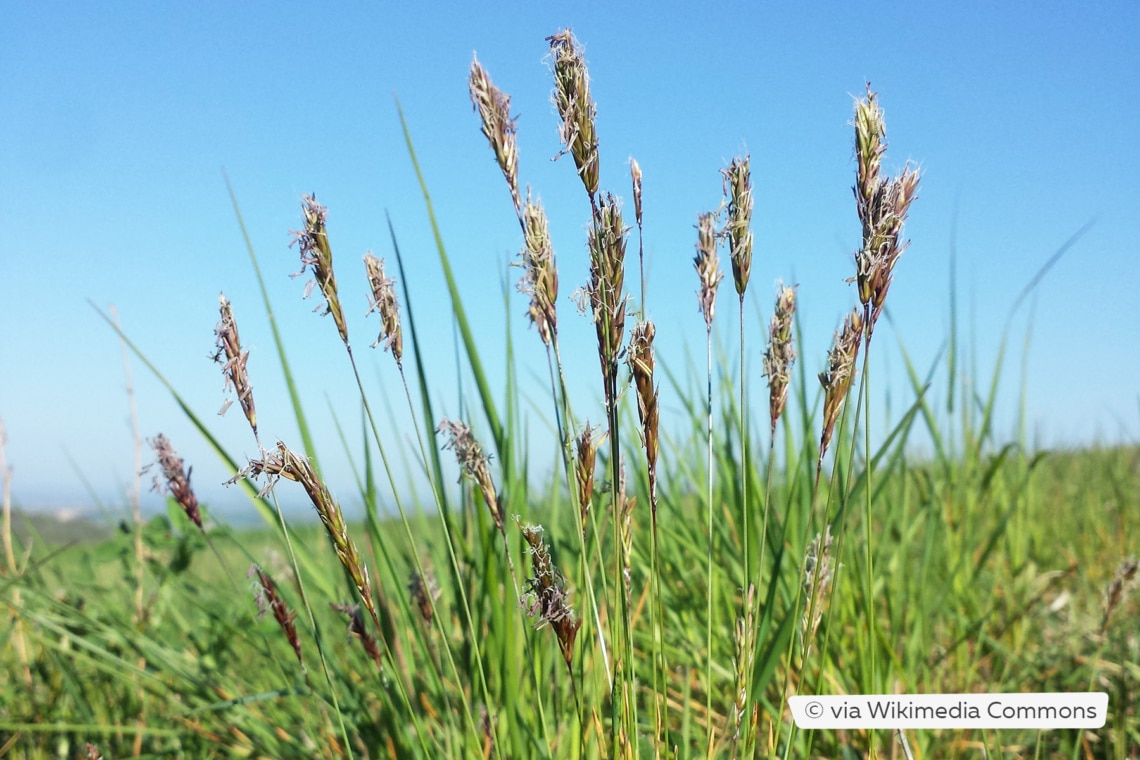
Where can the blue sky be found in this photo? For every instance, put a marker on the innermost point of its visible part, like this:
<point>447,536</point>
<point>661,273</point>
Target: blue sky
<point>120,118</point>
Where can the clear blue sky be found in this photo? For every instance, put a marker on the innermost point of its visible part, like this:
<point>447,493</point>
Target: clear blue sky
<point>119,118</point>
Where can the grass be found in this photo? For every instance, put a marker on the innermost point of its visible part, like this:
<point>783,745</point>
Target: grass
<point>617,608</point>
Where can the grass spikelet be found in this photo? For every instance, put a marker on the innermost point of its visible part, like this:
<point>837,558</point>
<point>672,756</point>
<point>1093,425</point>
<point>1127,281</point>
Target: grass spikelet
<point>575,107</point>
<point>424,590</point>
<point>359,631</point>
<point>882,205</point>
<point>641,363</point>
<point>818,574</point>
<point>585,463</point>
<point>550,599</point>
<point>540,278</point>
<point>383,301</point>
<point>494,108</point>
<point>473,463</point>
<point>233,368</point>
<point>174,480</point>
<point>836,379</point>
<point>744,646</point>
<point>269,600</point>
<point>1126,577</point>
<point>708,266</point>
<point>316,254</point>
<point>738,227</point>
<point>607,241</point>
<point>781,353</point>
<point>287,464</point>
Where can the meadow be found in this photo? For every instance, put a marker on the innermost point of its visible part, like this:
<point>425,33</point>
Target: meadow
<point>661,592</point>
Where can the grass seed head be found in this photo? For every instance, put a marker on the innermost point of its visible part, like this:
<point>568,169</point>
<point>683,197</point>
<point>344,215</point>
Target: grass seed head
<point>635,174</point>
<point>316,255</point>
<point>383,301</point>
<point>473,464</point>
<point>359,631</point>
<point>607,241</point>
<point>818,573</point>
<point>233,367</point>
<point>424,590</point>
<point>781,353</point>
<point>285,463</point>
<point>494,108</point>
<point>540,278</point>
<point>575,107</point>
<point>836,380</point>
<point>641,364</point>
<point>269,600</point>
<point>708,266</point>
<point>549,595</point>
<point>584,465</point>
<point>744,646</point>
<point>882,205</point>
<point>1127,576</point>
<point>175,480</point>
<point>738,226</point>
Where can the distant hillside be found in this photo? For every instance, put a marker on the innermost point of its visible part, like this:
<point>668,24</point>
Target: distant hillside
<point>52,529</point>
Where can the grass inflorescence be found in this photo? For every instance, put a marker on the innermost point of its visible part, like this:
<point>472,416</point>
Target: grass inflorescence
<point>667,587</point>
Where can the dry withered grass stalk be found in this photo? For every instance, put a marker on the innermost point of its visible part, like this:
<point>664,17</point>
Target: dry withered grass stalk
<point>494,108</point>
<point>550,598</point>
<point>708,266</point>
<point>474,464</point>
<point>316,255</point>
<point>575,107</point>
<point>781,353</point>
<point>383,301</point>
<point>882,204</point>
<point>285,463</point>
<point>174,479</point>
<point>234,364</point>
<point>269,600</point>
<point>738,226</point>
<point>836,379</point>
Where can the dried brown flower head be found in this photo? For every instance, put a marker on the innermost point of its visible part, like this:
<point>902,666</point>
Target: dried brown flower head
<point>233,367</point>
<point>316,255</point>
<point>174,480</point>
<point>575,107</point>
<point>383,301</point>
<point>424,590</point>
<point>494,107</point>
